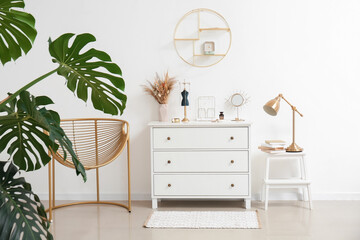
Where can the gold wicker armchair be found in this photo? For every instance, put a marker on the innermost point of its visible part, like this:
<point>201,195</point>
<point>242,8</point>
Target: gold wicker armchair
<point>96,142</point>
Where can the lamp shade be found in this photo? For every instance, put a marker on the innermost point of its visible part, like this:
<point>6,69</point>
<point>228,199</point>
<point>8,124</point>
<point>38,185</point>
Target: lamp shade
<point>272,106</point>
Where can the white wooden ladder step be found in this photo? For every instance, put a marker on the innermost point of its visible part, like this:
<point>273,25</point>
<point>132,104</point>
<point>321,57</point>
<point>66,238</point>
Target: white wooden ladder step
<point>287,181</point>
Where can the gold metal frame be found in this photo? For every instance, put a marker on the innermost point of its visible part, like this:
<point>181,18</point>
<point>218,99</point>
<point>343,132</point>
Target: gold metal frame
<point>198,11</point>
<point>97,142</point>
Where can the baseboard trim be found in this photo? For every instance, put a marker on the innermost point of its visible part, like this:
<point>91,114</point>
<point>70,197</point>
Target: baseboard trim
<point>336,196</point>
<point>92,196</point>
<point>144,196</point>
<point>315,196</point>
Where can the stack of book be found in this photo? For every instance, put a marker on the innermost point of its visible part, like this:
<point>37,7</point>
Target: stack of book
<point>273,146</point>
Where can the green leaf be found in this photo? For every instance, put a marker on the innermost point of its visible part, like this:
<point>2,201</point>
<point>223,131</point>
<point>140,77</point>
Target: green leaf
<point>22,133</point>
<point>90,71</point>
<point>21,212</point>
<point>17,30</point>
<point>43,100</point>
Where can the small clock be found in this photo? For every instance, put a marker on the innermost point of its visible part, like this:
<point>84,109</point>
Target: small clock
<point>209,48</point>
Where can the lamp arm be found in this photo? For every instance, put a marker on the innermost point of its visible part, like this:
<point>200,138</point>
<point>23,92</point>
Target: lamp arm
<point>292,106</point>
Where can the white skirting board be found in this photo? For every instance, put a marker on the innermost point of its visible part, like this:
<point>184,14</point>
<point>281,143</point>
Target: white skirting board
<point>92,196</point>
<point>336,196</point>
<point>256,197</point>
<point>315,196</point>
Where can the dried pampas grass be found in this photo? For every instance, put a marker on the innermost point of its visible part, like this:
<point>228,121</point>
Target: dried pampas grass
<point>161,88</point>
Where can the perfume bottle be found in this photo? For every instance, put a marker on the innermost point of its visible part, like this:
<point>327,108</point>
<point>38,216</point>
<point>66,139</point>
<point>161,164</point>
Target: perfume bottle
<point>221,116</point>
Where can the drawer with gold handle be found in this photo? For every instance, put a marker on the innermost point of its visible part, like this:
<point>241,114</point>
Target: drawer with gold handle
<point>201,161</point>
<point>201,185</point>
<point>202,138</point>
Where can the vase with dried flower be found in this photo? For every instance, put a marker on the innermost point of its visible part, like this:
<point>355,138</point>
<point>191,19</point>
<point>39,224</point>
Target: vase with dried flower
<point>160,90</point>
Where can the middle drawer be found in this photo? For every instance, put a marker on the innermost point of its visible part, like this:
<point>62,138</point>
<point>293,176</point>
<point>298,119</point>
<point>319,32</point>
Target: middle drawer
<point>219,161</point>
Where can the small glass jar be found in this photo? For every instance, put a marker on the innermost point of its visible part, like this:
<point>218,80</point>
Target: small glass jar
<point>221,116</point>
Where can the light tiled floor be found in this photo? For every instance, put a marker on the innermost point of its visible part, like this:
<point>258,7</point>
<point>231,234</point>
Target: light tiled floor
<point>284,220</point>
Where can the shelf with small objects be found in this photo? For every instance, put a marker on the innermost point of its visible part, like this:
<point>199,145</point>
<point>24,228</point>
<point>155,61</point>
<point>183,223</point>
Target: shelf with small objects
<point>195,38</point>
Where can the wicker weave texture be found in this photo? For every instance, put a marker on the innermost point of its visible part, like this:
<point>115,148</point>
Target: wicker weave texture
<point>96,142</point>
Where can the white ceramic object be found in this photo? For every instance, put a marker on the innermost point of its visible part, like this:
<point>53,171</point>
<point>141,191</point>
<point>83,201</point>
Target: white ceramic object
<point>163,113</point>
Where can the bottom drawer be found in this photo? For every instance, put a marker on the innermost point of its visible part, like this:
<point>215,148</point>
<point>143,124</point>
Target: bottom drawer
<point>201,185</point>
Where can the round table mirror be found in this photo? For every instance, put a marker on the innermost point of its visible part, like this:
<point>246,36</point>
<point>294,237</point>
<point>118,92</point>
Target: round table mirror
<point>237,100</point>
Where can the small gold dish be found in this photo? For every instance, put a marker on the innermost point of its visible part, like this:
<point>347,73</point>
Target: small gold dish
<point>175,120</point>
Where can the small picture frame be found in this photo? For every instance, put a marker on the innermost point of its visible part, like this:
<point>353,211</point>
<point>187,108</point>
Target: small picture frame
<point>209,48</point>
<point>206,108</point>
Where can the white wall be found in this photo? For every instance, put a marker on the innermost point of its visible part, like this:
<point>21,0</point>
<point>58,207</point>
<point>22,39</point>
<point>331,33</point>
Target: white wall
<point>307,50</point>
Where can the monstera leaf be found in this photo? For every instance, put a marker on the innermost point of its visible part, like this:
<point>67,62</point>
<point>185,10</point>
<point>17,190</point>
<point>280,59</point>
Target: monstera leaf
<point>22,133</point>
<point>17,30</point>
<point>83,72</point>
<point>21,212</point>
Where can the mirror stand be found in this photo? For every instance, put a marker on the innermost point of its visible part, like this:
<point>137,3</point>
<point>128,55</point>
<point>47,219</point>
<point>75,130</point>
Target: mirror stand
<point>237,119</point>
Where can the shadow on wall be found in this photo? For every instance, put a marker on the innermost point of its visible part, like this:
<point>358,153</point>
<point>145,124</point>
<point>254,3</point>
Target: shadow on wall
<point>257,169</point>
<point>140,161</point>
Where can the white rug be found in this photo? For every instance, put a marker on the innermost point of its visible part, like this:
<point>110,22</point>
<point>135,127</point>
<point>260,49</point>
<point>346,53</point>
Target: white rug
<point>203,219</point>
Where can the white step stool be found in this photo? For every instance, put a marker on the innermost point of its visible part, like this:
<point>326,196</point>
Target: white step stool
<point>302,182</point>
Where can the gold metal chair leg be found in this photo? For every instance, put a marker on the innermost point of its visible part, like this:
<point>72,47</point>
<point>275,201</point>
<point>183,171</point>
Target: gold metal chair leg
<point>129,183</point>
<point>50,192</point>
<point>97,162</point>
<point>97,185</point>
<point>53,181</point>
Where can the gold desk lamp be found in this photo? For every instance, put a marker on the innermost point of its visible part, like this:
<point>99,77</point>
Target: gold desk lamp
<point>272,108</point>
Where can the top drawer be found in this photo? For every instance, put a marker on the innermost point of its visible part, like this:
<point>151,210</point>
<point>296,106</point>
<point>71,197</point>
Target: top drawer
<point>206,138</point>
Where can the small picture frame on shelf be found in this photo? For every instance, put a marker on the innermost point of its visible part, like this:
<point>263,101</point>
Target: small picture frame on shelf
<point>209,48</point>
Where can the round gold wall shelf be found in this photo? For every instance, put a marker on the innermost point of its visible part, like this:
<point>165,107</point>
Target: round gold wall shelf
<point>202,37</point>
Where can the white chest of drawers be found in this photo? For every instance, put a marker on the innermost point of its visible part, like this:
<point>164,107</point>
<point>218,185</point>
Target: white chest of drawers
<point>200,160</point>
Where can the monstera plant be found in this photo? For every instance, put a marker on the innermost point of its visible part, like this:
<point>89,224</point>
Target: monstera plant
<point>28,130</point>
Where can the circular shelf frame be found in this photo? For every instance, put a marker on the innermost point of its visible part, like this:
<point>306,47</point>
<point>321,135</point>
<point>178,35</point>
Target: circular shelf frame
<point>227,29</point>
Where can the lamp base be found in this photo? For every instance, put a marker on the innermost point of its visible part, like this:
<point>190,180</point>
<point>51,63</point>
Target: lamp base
<point>294,148</point>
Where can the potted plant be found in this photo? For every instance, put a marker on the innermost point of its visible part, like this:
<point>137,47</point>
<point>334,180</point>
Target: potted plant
<point>25,118</point>
<point>160,90</point>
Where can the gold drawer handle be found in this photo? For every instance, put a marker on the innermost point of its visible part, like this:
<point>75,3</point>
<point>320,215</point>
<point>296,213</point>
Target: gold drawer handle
<point>168,138</point>
<point>232,185</point>
<point>231,138</point>
<point>169,185</point>
<point>168,161</point>
<point>232,161</point>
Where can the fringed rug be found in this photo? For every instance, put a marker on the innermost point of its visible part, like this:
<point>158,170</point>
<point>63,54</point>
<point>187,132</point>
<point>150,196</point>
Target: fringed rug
<point>203,219</point>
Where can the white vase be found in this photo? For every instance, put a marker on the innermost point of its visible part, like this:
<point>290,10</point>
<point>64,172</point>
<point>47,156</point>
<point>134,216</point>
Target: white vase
<point>163,113</point>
